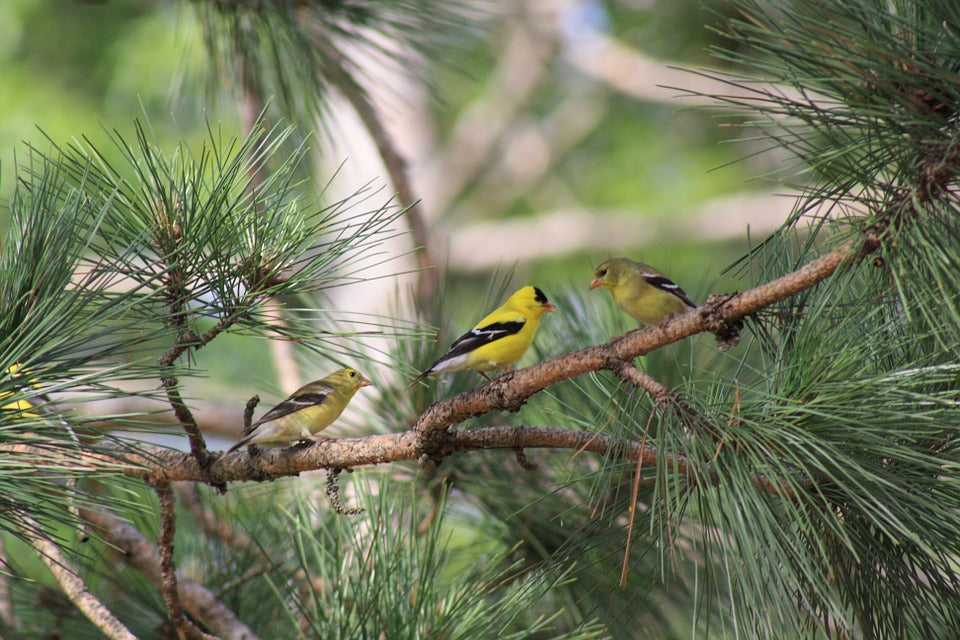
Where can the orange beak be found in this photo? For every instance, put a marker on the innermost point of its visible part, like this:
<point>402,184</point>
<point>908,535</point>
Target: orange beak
<point>595,283</point>
<point>549,307</point>
<point>364,383</point>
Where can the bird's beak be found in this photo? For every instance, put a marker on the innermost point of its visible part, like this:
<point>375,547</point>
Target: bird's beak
<point>549,307</point>
<point>364,383</point>
<point>595,283</point>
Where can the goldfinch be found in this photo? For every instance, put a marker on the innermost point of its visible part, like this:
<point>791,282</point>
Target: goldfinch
<point>640,290</point>
<point>499,339</point>
<point>22,406</point>
<point>308,410</point>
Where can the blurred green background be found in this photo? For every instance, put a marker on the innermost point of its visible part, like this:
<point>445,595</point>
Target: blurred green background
<point>544,143</point>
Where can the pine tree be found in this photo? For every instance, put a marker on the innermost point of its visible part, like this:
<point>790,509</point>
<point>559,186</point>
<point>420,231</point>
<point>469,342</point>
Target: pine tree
<point>790,475</point>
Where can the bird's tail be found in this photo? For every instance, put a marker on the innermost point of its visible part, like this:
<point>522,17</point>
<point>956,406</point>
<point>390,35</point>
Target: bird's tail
<point>241,442</point>
<point>420,377</point>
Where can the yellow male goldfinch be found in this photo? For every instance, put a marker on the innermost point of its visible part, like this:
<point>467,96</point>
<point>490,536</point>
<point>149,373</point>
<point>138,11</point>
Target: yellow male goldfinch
<point>308,410</point>
<point>640,290</point>
<point>499,339</point>
<point>23,406</point>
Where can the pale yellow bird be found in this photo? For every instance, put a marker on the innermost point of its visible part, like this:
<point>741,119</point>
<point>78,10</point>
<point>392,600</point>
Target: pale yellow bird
<point>640,290</point>
<point>310,409</point>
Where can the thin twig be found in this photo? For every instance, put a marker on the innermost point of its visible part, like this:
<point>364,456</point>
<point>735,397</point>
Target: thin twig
<point>665,396</point>
<point>168,569</point>
<point>634,491</point>
<point>72,585</point>
<point>198,445</point>
<point>187,339</point>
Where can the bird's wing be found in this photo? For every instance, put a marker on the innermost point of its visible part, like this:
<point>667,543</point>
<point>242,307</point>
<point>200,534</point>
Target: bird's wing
<point>297,402</point>
<point>666,284</point>
<point>484,334</point>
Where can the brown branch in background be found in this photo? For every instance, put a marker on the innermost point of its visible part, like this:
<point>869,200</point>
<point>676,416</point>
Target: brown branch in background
<point>396,166</point>
<point>281,351</point>
<point>72,585</point>
<point>251,110</point>
<point>168,569</point>
<point>142,556</point>
<point>523,66</point>
<point>207,520</point>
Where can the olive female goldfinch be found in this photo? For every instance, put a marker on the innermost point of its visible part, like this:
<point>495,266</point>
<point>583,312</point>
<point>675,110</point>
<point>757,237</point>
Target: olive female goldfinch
<point>499,339</point>
<point>640,290</point>
<point>308,410</point>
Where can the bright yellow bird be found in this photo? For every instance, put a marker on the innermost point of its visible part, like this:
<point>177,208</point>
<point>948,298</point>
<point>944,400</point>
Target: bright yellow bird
<point>499,339</point>
<point>22,405</point>
<point>308,410</point>
<point>640,290</point>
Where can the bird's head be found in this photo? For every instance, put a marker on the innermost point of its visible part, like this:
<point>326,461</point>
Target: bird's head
<point>607,274</point>
<point>531,300</point>
<point>348,379</point>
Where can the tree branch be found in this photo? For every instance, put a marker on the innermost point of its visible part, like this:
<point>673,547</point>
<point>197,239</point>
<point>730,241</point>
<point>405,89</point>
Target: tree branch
<point>72,586</point>
<point>141,555</point>
<point>666,397</point>
<point>187,339</point>
<point>430,435</point>
<point>157,465</point>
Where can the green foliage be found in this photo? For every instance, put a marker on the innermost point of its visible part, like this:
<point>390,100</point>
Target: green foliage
<point>378,572</point>
<point>804,487</point>
<point>64,326</point>
<point>300,52</point>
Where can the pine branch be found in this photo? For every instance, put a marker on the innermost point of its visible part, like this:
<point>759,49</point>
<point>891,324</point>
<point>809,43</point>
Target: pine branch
<point>430,435</point>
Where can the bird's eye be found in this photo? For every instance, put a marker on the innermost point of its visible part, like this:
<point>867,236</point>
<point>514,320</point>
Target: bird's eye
<point>602,272</point>
<point>353,374</point>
